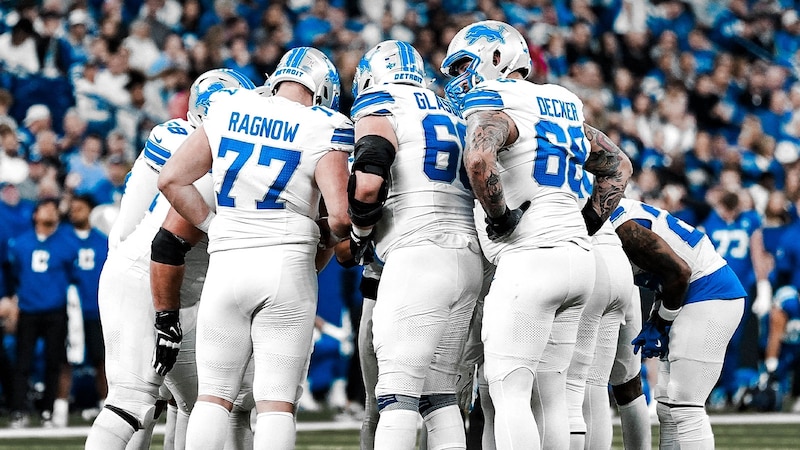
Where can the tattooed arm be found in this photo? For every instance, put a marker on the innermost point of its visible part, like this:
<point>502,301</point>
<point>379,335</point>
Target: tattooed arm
<point>487,133</point>
<point>652,254</point>
<point>612,169</point>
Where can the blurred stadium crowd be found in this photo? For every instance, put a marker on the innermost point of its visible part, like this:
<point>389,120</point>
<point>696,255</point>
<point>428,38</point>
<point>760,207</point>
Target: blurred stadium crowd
<point>703,95</point>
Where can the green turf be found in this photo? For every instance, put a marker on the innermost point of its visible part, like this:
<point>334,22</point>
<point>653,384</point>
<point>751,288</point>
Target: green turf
<point>760,436</point>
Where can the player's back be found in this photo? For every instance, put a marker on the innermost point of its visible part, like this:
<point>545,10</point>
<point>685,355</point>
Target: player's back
<point>545,163</point>
<point>428,192</point>
<point>689,243</point>
<point>265,152</point>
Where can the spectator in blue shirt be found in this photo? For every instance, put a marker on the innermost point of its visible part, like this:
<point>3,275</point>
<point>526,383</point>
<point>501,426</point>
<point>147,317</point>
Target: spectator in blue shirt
<point>92,254</point>
<point>43,265</point>
<point>15,211</point>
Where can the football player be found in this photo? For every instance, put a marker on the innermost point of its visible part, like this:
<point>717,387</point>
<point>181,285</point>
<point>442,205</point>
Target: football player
<point>271,159</point>
<point>526,147</point>
<point>126,304</point>
<point>699,303</point>
<point>408,195</point>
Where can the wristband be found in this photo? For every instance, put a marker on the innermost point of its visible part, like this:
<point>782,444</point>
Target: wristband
<point>771,364</point>
<point>668,314</point>
<point>361,232</point>
<point>203,226</point>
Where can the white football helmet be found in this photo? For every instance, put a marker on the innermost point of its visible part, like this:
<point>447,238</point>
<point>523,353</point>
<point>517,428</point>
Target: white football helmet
<point>311,68</point>
<point>208,83</point>
<point>389,62</point>
<point>492,50</point>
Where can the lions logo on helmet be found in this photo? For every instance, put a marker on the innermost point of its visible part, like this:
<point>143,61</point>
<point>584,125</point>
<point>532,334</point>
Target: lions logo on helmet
<point>481,31</point>
<point>311,68</point>
<point>214,80</point>
<point>487,50</point>
<point>389,62</point>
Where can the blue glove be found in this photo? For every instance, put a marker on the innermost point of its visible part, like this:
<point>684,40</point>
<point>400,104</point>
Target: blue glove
<point>653,339</point>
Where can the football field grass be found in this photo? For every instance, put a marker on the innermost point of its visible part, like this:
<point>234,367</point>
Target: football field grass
<point>763,436</point>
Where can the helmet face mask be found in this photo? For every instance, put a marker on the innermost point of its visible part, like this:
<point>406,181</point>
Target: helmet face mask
<point>390,61</point>
<point>206,84</point>
<point>312,69</point>
<point>494,49</point>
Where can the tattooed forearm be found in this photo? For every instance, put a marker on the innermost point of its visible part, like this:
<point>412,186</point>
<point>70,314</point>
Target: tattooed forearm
<point>611,168</point>
<point>487,133</point>
<point>652,254</point>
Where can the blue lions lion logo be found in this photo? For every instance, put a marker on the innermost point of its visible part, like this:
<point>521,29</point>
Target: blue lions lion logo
<point>484,31</point>
<point>203,97</point>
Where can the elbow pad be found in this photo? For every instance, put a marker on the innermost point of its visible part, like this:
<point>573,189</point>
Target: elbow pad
<point>168,248</point>
<point>592,220</point>
<point>374,154</point>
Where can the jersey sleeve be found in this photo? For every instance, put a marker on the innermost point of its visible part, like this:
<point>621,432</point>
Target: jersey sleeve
<point>343,136</point>
<point>373,102</point>
<point>487,96</point>
<point>620,215</point>
<point>155,152</point>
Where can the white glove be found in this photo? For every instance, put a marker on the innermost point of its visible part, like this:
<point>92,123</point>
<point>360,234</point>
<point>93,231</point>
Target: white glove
<point>763,301</point>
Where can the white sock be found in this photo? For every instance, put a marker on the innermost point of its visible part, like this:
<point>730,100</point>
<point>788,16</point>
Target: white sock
<point>397,430</point>
<point>576,391</point>
<point>635,418</point>
<point>141,439</point>
<point>181,426</point>
<point>445,429</point>
<point>60,412</point>
<point>275,430</point>
<point>668,430</point>
<point>597,415</point>
<point>109,432</point>
<point>208,426</point>
<point>514,423</point>
<point>694,428</point>
<point>552,417</point>
<point>487,438</point>
<point>169,429</point>
<point>240,435</point>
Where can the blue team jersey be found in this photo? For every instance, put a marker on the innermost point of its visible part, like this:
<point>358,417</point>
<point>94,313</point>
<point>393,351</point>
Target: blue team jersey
<point>4,237</point>
<point>92,254</point>
<point>43,269</point>
<point>732,241</point>
<point>787,257</point>
<point>17,218</point>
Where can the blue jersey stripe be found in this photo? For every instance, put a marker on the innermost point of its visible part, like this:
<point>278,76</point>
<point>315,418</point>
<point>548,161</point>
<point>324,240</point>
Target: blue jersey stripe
<point>371,99</point>
<point>480,99</point>
<point>157,149</point>
<point>155,154</point>
<point>617,212</point>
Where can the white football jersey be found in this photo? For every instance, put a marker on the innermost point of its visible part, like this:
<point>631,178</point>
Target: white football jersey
<point>429,198</point>
<point>265,151</point>
<point>164,141</point>
<point>544,165</point>
<point>689,243</point>
<point>141,183</point>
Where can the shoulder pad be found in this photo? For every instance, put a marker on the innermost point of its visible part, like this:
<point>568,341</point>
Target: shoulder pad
<point>372,101</point>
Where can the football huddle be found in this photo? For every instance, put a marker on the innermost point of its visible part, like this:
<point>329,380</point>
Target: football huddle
<point>501,262</point>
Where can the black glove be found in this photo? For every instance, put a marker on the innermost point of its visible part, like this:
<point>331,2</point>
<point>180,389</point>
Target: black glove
<point>499,227</point>
<point>362,248</point>
<point>168,341</point>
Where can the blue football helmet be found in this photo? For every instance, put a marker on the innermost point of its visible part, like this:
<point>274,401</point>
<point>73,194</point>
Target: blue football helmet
<point>389,62</point>
<point>208,83</point>
<point>311,68</point>
<point>490,50</point>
